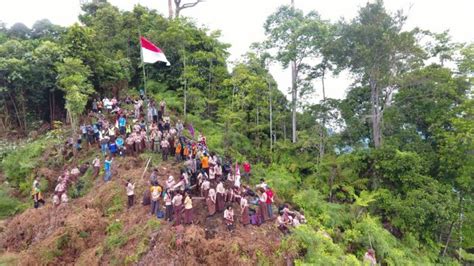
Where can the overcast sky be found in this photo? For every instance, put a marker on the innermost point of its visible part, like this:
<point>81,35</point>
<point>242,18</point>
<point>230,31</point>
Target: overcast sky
<point>241,21</point>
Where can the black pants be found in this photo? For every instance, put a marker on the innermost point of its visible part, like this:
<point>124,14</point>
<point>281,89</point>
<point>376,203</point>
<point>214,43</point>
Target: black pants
<point>131,200</point>
<point>169,212</point>
<point>165,152</point>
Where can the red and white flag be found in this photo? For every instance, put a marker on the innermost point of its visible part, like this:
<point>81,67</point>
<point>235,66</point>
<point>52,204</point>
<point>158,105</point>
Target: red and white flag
<point>151,53</point>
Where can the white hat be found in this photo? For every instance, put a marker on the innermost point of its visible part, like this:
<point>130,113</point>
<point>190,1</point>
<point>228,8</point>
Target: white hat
<point>170,178</point>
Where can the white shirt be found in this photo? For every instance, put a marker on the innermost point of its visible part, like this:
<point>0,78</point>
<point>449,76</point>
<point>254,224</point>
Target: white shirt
<point>130,188</point>
<point>220,188</point>
<point>229,215</point>
<point>205,185</point>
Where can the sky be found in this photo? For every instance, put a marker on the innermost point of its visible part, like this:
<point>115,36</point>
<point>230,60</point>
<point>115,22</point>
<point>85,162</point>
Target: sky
<point>241,21</point>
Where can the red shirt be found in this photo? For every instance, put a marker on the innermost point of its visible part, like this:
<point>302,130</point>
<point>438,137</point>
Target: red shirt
<point>269,196</point>
<point>247,167</point>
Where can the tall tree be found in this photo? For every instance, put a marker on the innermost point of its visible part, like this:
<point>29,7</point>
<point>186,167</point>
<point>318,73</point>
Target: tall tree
<point>375,49</point>
<point>73,80</point>
<point>294,35</point>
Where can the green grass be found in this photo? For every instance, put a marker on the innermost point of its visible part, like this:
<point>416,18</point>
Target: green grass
<point>9,205</point>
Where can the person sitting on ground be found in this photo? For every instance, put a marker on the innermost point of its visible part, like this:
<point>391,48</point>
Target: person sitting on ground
<point>229,218</point>
<point>75,173</point>
<point>369,257</point>
<point>83,168</point>
<point>283,224</point>
<point>130,193</point>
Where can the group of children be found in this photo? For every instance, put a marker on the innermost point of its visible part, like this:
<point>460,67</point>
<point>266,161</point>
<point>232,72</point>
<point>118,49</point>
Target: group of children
<point>204,174</point>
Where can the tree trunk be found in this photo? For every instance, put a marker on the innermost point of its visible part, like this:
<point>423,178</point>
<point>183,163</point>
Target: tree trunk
<point>323,126</point>
<point>293,100</point>
<point>271,116</point>
<point>331,182</point>
<point>185,82</point>
<point>449,238</point>
<point>16,110</point>
<point>376,115</point>
<point>170,9</point>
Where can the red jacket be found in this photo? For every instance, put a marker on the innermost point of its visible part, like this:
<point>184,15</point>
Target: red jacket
<point>247,167</point>
<point>269,196</point>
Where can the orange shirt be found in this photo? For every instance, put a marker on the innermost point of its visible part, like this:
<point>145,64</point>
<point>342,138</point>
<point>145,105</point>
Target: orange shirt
<point>205,162</point>
<point>186,151</point>
<point>178,148</point>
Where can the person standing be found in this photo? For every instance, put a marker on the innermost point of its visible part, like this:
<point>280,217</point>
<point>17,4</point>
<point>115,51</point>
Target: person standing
<point>165,149</point>
<point>188,209</point>
<point>130,193</point>
<point>244,206</point>
<point>205,186</point>
<point>155,191</point>
<point>229,218</point>
<point>247,169</point>
<point>205,163</point>
<point>269,202</point>
<point>262,203</point>
<point>168,205</point>
<point>108,168</point>
<point>36,193</point>
<point>122,122</point>
<point>177,208</point>
<point>211,202</point>
<point>96,165</point>
<point>220,198</point>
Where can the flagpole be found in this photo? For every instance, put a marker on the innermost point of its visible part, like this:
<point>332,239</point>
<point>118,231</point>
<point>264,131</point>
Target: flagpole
<point>146,101</point>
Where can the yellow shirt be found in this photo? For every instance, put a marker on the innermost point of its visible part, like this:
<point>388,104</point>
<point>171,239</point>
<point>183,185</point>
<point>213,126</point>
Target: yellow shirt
<point>188,203</point>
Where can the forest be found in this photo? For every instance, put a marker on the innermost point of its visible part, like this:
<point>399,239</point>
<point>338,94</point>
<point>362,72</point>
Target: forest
<point>389,167</point>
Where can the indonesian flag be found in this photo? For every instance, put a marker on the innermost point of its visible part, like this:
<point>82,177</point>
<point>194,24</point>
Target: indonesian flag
<point>151,53</point>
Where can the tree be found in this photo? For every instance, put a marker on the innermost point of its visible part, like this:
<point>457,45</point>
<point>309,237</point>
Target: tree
<point>180,6</point>
<point>19,31</point>
<point>72,79</point>
<point>374,47</point>
<point>295,37</point>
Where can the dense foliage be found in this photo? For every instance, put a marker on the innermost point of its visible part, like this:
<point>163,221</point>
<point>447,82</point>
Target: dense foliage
<point>391,166</point>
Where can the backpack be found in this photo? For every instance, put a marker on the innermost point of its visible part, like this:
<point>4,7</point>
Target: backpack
<point>255,219</point>
<point>160,214</point>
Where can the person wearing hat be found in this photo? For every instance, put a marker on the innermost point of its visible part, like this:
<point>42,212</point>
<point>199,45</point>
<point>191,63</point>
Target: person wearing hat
<point>170,183</point>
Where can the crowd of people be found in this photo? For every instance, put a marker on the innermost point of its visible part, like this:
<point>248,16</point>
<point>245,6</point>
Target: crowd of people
<point>129,127</point>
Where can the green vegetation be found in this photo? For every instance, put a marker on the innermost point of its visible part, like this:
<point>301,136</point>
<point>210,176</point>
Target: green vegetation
<point>389,167</point>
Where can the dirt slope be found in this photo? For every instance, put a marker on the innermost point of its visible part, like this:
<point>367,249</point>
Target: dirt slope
<point>98,229</point>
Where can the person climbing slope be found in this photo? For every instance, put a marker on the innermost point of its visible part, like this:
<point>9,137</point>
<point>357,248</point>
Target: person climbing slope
<point>108,168</point>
